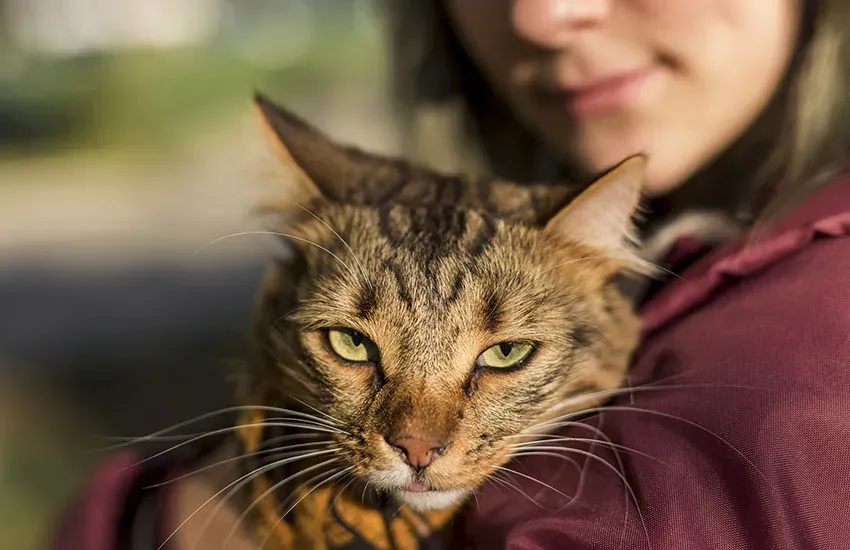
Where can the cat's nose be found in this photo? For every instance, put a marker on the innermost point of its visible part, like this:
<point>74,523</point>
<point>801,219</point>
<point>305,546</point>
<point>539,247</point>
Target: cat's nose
<point>418,451</point>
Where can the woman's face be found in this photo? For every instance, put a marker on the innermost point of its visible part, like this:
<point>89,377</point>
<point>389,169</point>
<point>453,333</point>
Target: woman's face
<point>599,80</point>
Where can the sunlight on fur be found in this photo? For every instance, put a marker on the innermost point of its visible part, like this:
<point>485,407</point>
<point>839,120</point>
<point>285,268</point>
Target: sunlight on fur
<point>430,324</point>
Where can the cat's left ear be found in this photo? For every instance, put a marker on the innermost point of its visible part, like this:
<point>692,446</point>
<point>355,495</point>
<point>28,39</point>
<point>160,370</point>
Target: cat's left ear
<point>601,216</point>
<point>319,166</point>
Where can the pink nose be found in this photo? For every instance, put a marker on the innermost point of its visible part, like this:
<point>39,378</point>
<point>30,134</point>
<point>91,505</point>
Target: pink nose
<point>418,452</point>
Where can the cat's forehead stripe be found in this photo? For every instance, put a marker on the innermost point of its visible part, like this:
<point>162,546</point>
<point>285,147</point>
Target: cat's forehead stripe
<point>485,235</point>
<point>401,284</point>
<point>437,231</point>
<point>457,287</point>
<point>492,312</point>
<point>367,301</point>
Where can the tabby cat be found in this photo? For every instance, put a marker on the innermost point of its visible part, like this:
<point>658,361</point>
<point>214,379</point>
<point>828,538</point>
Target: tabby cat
<point>426,324</point>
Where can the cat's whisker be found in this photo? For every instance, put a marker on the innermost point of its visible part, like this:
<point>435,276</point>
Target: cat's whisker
<point>256,473</point>
<point>240,482</point>
<point>328,420</point>
<point>318,423</point>
<point>622,468</point>
<point>531,478</point>
<point>344,243</point>
<point>282,452</point>
<point>649,268</point>
<point>582,472</point>
<point>628,383</point>
<point>555,437</point>
<point>288,437</point>
<point>667,271</point>
<point>135,440</point>
<point>227,430</point>
<point>615,408</point>
<point>286,315</point>
<point>605,463</point>
<point>275,233</point>
<point>561,457</point>
<point>274,488</point>
<point>228,410</point>
<point>577,424</point>
<point>344,487</point>
<point>505,483</point>
<point>477,502</point>
<point>573,261</point>
<point>620,464</point>
<point>363,495</point>
<point>326,415</point>
<point>184,437</point>
<point>579,468</point>
<point>657,382</point>
<point>603,394</point>
<point>291,507</point>
<point>537,446</point>
<point>291,316</point>
<point>539,452</point>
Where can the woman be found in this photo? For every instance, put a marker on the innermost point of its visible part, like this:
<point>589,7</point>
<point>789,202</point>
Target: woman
<point>744,110</point>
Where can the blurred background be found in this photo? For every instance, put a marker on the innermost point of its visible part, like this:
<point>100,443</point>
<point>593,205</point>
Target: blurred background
<point>127,147</point>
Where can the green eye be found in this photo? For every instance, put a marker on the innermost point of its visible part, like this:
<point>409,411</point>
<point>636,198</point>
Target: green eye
<point>352,346</point>
<point>504,355</point>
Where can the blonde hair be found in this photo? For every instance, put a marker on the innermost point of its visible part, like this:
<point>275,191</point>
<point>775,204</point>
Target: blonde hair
<point>799,142</point>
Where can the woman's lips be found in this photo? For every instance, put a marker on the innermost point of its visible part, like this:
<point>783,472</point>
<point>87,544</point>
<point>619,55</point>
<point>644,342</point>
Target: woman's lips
<point>607,94</point>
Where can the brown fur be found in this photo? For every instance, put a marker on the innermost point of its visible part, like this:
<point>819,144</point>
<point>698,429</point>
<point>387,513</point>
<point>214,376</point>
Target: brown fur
<point>435,269</point>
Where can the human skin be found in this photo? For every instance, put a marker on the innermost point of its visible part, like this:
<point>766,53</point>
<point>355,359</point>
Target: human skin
<point>599,80</point>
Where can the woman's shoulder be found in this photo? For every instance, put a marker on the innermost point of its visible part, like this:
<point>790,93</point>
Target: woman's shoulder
<point>790,273</point>
<point>769,313</point>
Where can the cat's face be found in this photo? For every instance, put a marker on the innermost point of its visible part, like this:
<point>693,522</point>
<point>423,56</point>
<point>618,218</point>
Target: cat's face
<point>438,335</point>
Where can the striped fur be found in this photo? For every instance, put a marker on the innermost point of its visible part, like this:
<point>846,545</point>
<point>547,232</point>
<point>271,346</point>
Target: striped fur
<point>435,269</point>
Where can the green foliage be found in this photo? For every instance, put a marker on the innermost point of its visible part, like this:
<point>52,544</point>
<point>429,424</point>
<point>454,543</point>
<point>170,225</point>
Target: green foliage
<point>150,100</point>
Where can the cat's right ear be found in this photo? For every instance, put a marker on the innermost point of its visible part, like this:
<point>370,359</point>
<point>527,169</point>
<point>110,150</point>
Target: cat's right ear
<point>319,165</point>
<point>601,216</point>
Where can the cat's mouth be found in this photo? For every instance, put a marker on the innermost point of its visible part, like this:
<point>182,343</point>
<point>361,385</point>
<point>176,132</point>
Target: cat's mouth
<point>419,486</point>
<point>415,489</point>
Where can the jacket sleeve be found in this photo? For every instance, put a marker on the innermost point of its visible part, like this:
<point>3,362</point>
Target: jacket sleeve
<point>746,420</point>
<point>91,522</point>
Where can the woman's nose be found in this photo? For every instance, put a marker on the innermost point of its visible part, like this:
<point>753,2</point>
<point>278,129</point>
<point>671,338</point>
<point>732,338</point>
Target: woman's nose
<point>553,23</point>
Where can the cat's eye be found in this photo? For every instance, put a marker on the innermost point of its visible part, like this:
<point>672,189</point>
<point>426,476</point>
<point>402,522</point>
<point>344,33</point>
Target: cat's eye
<point>351,345</point>
<point>505,355</point>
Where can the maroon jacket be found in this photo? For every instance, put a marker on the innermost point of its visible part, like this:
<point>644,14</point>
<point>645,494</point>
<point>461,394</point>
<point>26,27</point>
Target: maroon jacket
<point>751,436</point>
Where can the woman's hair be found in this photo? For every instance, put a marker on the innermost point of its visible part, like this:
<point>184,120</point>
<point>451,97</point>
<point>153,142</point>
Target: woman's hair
<point>798,143</point>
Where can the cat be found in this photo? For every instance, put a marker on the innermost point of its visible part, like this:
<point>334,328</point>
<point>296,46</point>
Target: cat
<point>423,325</point>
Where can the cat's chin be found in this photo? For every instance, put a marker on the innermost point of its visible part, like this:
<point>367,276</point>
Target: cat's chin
<point>430,500</point>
